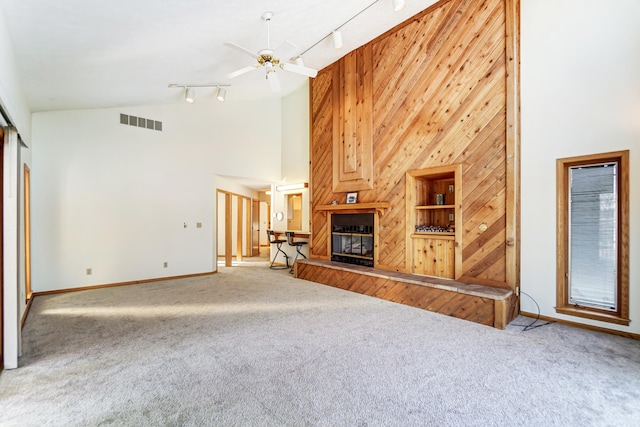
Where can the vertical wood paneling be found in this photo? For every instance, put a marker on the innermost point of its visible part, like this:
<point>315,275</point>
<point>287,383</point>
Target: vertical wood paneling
<point>348,146</point>
<point>438,97</point>
<point>433,257</point>
<point>353,122</point>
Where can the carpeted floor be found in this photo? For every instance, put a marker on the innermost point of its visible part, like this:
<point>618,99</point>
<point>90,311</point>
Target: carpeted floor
<point>253,346</point>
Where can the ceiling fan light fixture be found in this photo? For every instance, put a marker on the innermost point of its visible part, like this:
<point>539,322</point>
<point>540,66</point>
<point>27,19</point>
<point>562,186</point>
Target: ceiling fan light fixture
<point>398,5</point>
<point>222,93</point>
<point>189,95</point>
<point>270,59</point>
<point>337,39</point>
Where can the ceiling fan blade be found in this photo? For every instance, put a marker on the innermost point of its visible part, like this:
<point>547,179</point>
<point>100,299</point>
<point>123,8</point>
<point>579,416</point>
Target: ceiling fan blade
<point>285,50</point>
<point>299,69</point>
<point>242,71</point>
<point>242,49</point>
<point>274,82</point>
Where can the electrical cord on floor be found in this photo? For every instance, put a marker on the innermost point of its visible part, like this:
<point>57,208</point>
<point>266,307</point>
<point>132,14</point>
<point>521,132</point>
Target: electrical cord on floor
<point>533,325</point>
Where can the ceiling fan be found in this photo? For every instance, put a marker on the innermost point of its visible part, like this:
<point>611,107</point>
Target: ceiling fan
<point>268,60</point>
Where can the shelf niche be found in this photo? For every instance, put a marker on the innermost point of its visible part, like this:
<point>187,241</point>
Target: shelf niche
<point>434,221</point>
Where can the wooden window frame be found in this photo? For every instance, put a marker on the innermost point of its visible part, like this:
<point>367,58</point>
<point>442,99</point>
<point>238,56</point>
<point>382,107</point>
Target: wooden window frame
<point>621,315</point>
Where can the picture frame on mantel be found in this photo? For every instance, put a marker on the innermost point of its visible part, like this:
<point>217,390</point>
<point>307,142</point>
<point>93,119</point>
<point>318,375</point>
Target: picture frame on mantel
<point>352,198</point>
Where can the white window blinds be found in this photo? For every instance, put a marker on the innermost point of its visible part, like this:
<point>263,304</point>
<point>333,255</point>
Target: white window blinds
<point>593,234</point>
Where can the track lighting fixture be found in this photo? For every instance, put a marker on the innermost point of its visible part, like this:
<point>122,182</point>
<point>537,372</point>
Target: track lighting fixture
<point>222,92</point>
<point>190,93</point>
<point>398,5</point>
<point>336,35</point>
<point>337,39</point>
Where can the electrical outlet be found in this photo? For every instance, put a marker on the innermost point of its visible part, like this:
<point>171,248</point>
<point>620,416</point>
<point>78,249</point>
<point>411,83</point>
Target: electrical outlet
<point>89,272</point>
<point>450,188</point>
<point>198,225</point>
<point>452,217</point>
<point>166,264</point>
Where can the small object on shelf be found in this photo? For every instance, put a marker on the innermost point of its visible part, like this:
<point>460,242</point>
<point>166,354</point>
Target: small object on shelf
<point>440,199</point>
<point>352,197</point>
<point>334,202</point>
<point>434,229</point>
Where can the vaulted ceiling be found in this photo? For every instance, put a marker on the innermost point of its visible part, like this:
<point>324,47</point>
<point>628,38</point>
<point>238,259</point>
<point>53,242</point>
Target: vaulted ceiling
<point>75,54</point>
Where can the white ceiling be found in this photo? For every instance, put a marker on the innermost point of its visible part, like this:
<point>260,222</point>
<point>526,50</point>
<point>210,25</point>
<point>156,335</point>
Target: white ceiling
<point>75,54</point>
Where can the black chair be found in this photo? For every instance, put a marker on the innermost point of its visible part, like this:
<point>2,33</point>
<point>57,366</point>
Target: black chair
<point>298,245</point>
<point>278,243</point>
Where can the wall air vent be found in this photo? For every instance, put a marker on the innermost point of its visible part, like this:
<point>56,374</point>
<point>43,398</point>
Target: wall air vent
<point>140,122</point>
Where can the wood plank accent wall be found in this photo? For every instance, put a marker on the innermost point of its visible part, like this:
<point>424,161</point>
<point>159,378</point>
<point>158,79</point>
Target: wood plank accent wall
<point>439,97</point>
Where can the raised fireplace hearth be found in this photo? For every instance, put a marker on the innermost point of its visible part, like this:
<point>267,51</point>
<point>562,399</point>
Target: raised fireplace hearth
<point>352,238</point>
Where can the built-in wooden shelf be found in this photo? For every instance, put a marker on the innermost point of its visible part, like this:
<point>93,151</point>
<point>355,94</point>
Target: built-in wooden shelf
<point>432,204</point>
<point>435,207</point>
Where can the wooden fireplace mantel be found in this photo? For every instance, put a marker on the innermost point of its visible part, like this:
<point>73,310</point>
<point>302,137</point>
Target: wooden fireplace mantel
<point>377,206</point>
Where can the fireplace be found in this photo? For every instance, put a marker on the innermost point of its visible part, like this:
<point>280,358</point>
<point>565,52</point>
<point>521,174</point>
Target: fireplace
<point>352,238</point>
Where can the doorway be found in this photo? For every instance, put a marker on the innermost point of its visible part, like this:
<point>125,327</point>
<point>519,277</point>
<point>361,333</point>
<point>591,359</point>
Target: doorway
<point>238,228</point>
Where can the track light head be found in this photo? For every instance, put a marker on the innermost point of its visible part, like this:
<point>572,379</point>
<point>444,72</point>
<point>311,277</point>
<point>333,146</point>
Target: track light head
<point>337,39</point>
<point>221,94</point>
<point>398,5</point>
<point>189,95</point>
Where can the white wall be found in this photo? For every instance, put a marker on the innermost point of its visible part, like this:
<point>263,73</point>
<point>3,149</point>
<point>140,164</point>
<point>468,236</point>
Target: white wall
<point>12,98</point>
<point>295,136</point>
<point>295,160</point>
<point>580,77</point>
<point>114,198</point>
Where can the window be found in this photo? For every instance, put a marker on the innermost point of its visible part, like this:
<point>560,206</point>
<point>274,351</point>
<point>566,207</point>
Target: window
<point>593,237</point>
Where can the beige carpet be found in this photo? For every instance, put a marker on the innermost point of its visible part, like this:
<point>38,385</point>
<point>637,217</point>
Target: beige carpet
<point>253,346</point>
